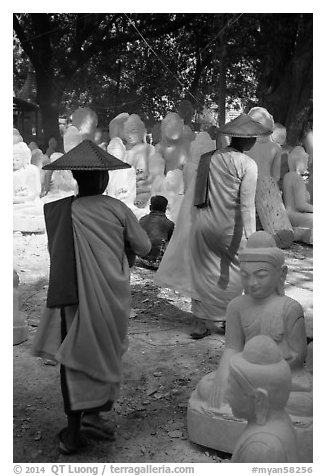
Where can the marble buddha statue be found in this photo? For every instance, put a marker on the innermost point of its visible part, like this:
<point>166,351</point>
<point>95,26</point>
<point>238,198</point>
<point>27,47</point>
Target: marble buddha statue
<point>143,158</point>
<point>27,205</point>
<point>265,152</point>
<point>174,145</point>
<point>263,309</point>
<point>296,196</point>
<point>26,177</point>
<point>60,183</point>
<point>258,388</point>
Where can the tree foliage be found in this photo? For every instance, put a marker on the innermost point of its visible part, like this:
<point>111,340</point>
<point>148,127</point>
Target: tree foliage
<point>145,63</point>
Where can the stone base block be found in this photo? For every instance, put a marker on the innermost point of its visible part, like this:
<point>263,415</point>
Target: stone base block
<point>222,433</point>
<point>20,334</point>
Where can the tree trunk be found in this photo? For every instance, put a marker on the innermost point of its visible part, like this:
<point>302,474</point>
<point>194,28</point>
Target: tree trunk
<point>222,85</point>
<point>290,99</point>
<point>48,97</point>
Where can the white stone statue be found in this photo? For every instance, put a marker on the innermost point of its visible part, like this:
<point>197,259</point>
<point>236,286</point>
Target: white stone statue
<point>258,389</point>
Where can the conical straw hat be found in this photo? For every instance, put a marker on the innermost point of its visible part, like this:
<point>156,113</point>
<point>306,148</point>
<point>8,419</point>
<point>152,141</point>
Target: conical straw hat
<point>244,126</point>
<point>87,156</point>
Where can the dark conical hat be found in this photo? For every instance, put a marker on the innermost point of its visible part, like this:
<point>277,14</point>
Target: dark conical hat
<point>244,126</point>
<point>87,156</point>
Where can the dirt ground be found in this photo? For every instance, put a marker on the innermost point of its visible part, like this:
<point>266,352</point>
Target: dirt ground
<point>161,368</point>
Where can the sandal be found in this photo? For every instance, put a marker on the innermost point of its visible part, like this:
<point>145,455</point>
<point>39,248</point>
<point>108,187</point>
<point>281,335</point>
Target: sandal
<point>65,447</point>
<point>97,429</point>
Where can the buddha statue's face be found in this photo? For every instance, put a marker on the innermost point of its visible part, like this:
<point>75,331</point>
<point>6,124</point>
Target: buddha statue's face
<point>259,279</point>
<point>134,136</point>
<point>18,162</point>
<point>242,404</point>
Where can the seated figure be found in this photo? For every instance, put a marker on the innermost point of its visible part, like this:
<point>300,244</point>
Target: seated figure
<point>174,145</point>
<point>60,183</point>
<point>28,207</point>
<point>159,229</point>
<point>296,196</point>
<point>258,389</point>
<point>122,183</point>
<point>143,158</point>
<point>263,309</point>
<point>27,181</point>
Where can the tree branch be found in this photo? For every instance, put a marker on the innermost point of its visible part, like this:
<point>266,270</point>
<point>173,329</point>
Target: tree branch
<point>23,40</point>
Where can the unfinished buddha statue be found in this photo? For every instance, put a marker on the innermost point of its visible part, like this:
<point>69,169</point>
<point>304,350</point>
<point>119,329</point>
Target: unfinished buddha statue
<point>60,183</point>
<point>27,205</point>
<point>269,205</point>
<point>174,145</point>
<point>262,310</point>
<point>142,157</point>
<point>201,145</point>
<point>265,151</point>
<point>258,389</point>
<point>296,196</point>
<point>27,182</point>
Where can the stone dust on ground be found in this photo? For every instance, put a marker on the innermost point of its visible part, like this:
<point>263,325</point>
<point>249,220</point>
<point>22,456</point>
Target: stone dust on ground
<point>161,368</point>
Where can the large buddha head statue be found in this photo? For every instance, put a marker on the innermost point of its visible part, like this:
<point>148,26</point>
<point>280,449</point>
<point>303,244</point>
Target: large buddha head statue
<point>259,380</point>
<point>262,267</point>
<point>21,155</point>
<point>134,130</point>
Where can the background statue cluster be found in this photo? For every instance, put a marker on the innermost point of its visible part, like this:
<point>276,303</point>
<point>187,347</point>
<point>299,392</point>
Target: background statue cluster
<point>166,166</point>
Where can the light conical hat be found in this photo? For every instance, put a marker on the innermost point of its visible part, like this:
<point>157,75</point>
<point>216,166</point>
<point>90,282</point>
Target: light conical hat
<point>244,126</point>
<point>87,156</point>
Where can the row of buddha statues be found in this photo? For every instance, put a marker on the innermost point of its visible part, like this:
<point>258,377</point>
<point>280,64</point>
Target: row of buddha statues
<point>167,167</point>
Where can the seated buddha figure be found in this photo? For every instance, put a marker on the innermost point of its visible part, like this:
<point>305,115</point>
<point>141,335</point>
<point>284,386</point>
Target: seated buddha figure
<point>263,309</point>
<point>143,158</point>
<point>258,389</point>
<point>61,183</point>
<point>296,196</point>
<point>174,145</point>
<point>26,176</point>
